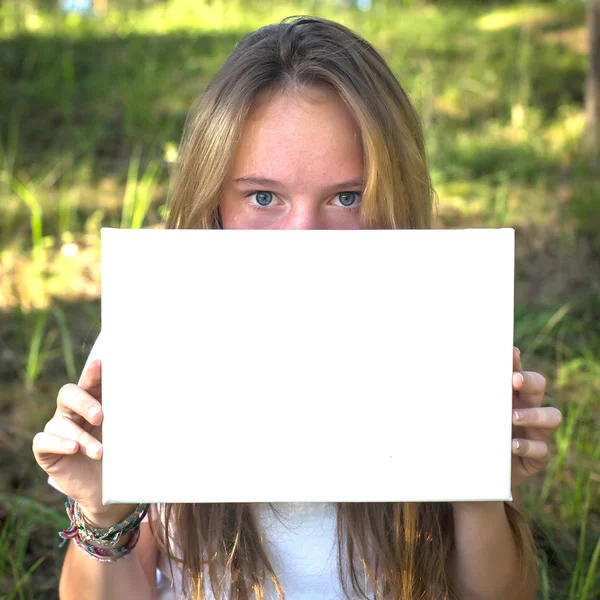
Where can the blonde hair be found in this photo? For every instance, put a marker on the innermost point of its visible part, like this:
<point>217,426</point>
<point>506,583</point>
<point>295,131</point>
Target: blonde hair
<point>293,55</point>
<point>404,548</point>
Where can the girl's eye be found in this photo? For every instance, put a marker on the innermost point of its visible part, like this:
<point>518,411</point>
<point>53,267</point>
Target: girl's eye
<point>349,199</point>
<point>263,199</point>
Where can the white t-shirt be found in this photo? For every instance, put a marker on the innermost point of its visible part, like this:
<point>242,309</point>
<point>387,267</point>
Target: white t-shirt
<point>301,540</point>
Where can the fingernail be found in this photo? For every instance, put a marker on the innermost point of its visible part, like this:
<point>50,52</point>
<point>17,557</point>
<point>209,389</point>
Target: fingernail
<point>93,412</point>
<point>518,379</point>
<point>94,448</point>
<point>517,416</point>
<point>515,444</point>
<point>67,445</point>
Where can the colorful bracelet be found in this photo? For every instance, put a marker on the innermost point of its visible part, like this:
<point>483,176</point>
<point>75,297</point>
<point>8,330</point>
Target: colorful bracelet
<point>109,538</point>
<point>89,534</point>
<point>108,555</point>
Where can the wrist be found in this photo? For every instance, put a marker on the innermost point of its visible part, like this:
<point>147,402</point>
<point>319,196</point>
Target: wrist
<point>108,537</point>
<point>107,516</point>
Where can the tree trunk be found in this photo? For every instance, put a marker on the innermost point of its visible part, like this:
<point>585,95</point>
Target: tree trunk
<point>592,91</point>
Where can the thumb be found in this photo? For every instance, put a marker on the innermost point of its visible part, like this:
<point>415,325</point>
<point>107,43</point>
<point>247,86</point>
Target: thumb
<point>91,379</point>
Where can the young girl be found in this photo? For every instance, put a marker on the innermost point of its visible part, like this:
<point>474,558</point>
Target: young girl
<point>304,127</point>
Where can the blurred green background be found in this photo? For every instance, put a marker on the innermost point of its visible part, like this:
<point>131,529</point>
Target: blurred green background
<point>91,112</point>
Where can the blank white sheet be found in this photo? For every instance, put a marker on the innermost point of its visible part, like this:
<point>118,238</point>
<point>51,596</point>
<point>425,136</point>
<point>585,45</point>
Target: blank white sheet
<point>294,366</point>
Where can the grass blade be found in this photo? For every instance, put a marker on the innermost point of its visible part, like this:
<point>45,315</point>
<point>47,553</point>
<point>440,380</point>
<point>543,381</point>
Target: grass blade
<point>34,357</point>
<point>67,347</point>
<point>581,551</point>
<point>40,513</point>
<point>130,189</point>
<point>20,581</point>
<point>591,572</point>
<point>552,322</point>
<point>35,211</point>
<point>144,194</point>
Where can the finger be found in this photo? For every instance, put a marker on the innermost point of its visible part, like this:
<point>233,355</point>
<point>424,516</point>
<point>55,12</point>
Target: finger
<point>91,379</point>
<point>47,443</point>
<point>64,427</point>
<point>547,418</point>
<point>529,382</point>
<point>531,387</point>
<point>531,449</point>
<point>72,399</point>
<point>517,359</point>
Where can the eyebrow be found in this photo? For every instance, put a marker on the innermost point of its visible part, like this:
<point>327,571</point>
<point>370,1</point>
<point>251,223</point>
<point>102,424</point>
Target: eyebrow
<point>258,181</point>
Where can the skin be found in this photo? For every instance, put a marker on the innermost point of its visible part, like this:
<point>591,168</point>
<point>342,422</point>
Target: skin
<point>306,151</point>
<point>310,147</point>
<point>533,425</point>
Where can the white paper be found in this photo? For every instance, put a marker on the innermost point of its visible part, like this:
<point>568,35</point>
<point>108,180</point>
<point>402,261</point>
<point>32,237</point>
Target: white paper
<point>293,366</point>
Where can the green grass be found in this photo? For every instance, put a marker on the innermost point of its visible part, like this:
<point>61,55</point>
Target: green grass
<point>91,113</point>
<point>25,521</point>
<point>563,501</point>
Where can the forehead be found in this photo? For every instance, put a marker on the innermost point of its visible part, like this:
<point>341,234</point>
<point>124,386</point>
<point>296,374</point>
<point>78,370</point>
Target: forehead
<point>298,137</point>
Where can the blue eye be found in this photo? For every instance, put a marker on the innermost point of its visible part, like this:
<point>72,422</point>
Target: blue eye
<point>349,199</point>
<point>264,198</point>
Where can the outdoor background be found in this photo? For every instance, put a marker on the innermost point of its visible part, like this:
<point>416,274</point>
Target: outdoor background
<point>91,112</point>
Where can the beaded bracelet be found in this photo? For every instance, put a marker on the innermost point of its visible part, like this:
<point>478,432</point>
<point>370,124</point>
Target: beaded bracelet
<point>108,555</point>
<point>80,528</point>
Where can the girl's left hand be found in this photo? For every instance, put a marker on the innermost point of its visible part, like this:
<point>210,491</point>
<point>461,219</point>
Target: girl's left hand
<point>533,426</point>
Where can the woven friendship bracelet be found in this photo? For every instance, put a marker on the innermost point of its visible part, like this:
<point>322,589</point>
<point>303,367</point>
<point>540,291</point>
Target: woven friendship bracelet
<point>81,528</point>
<point>107,555</point>
<point>107,537</point>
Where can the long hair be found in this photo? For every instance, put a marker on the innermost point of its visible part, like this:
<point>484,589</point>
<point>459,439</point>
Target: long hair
<point>401,550</point>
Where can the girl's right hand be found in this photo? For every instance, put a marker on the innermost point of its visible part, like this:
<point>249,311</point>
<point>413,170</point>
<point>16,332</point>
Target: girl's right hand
<point>70,447</point>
